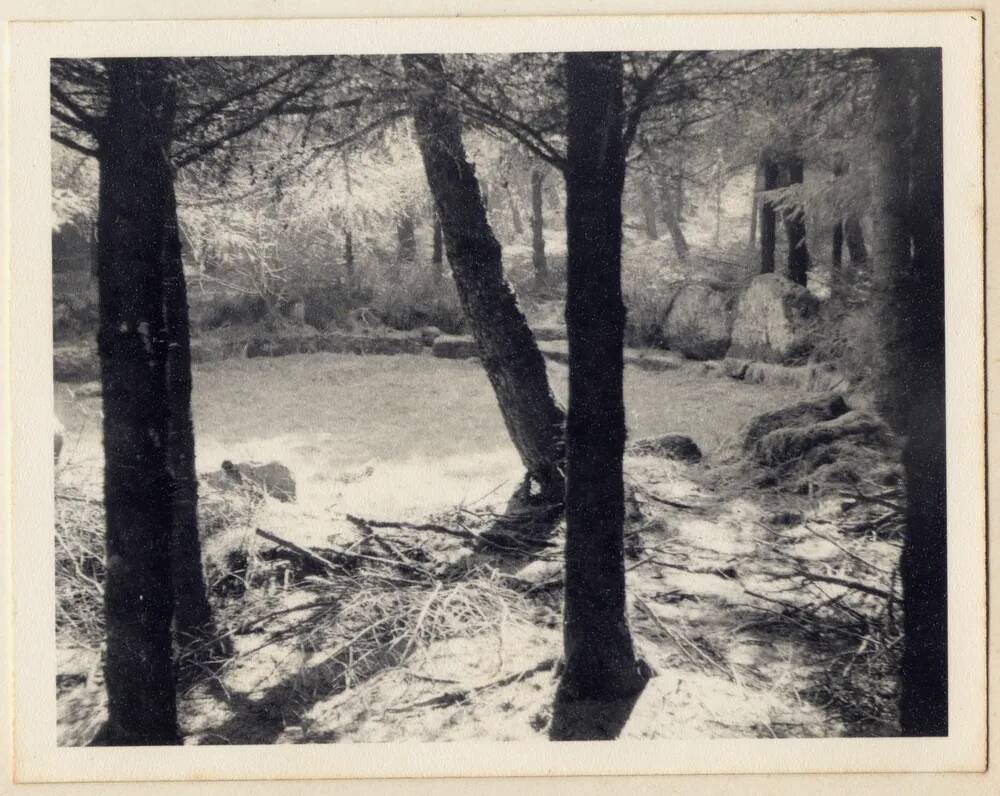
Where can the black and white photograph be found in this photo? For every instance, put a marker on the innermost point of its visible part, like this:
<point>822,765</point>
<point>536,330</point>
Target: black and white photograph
<point>528,395</point>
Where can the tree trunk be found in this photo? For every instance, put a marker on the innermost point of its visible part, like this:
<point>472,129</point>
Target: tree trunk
<point>135,185</point>
<point>854,237</point>
<point>837,259</point>
<point>538,260</point>
<point>406,248</point>
<point>348,236</point>
<point>437,250</point>
<point>753,207</point>
<point>924,695</point>
<point>795,230</point>
<point>349,254</point>
<point>673,225</point>
<point>508,350</point>
<point>768,220</point>
<point>192,612</point>
<point>648,197</point>
<point>515,214</point>
<point>600,662</point>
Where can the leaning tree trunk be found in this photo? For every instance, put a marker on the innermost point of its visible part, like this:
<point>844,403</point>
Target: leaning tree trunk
<point>924,696</point>
<point>135,185</point>
<point>538,260</point>
<point>192,612</point>
<point>600,663</point>
<point>507,347</point>
<point>795,229</point>
<point>768,220</point>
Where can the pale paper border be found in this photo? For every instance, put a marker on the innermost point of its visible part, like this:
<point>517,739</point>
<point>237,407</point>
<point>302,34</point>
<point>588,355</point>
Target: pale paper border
<point>31,338</point>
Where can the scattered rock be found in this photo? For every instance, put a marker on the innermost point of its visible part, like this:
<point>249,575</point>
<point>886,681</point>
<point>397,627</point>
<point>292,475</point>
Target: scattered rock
<point>773,321</point>
<point>449,346</point>
<point>787,444</point>
<point>539,571</point>
<point>428,334</point>
<point>75,363</point>
<point>669,446</point>
<point>332,342</point>
<point>735,368</point>
<point>700,320</point>
<point>811,377</point>
<point>826,407</point>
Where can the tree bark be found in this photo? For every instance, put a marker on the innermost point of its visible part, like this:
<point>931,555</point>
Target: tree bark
<point>924,695</point>
<point>192,612</point>
<point>437,249</point>
<point>600,662</point>
<point>508,350</point>
<point>538,259</point>
<point>135,185</point>
<point>768,220</point>
<point>795,229</point>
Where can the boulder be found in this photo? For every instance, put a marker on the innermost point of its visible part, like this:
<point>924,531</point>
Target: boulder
<point>271,478</point>
<point>826,407</point>
<point>428,334</point>
<point>792,443</point>
<point>75,363</point>
<point>449,346</point>
<point>699,321</point>
<point>773,321</point>
<point>668,446</point>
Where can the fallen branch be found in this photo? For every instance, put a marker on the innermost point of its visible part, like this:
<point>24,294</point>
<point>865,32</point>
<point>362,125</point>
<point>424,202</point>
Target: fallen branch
<point>302,552</point>
<point>367,525</point>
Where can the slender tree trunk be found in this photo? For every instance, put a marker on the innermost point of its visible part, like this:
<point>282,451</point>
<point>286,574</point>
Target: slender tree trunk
<point>515,213</point>
<point>795,230</point>
<point>924,697</point>
<point>538,260</point>
<point>600,662</point>
<point>437,250</point>
<point>648,197</point>
<point>768,220</point>
<point>508,350</point>
<point>135,185</point>
<point>673,225</point>
<point>837,259</point>
<point>753,206</point>
<point>348,236</point>
<point>192,612</point>
<point>854,237</point>
<point>406,248</point>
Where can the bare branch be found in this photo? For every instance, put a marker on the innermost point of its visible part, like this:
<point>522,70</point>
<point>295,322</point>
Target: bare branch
<point>71,144</point>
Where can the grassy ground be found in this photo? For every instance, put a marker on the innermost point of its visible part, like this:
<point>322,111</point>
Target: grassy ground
<point>453,652</point>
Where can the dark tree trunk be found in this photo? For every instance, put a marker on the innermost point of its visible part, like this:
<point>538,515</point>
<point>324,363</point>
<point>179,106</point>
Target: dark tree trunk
<point>508,350</point>
<point>768,219</point>
<point>838,250</point>
<point>677,200</point>
<point>349,254</point>
<point>854,237</point>
<point>648,197</point>
<point>135,187</point>
<point>192,612</point>
<point>753,206</point>
<point>437,249</point>
<point>600,662</point>
<point>924,697</point>
<point>538,260</point>
<point>795,230</point>
<point>406,248</point>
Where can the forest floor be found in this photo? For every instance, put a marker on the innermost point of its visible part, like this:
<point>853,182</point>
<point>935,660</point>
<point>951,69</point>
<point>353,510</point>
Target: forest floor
<point>429,608</point>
